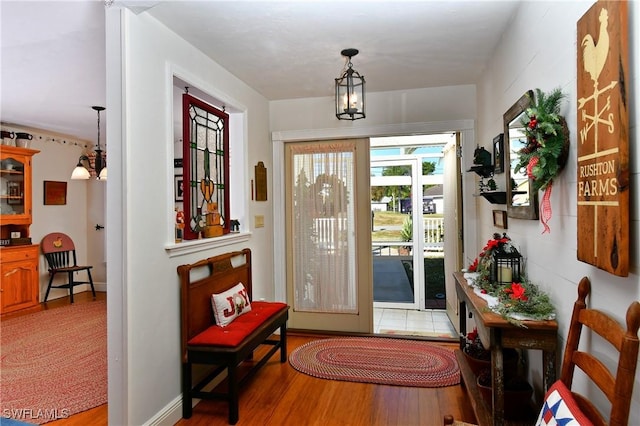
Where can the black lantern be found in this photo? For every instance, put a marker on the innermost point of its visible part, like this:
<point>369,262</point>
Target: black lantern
<point>506,266</point>
<point>350,91</point>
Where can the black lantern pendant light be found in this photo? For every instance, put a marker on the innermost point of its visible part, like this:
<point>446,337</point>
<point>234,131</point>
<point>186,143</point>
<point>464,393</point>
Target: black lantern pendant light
<point>350,91</point>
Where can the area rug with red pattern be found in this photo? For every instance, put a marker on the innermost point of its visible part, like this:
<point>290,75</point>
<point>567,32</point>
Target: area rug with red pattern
<point>398,362</point>
<point>54,362</point>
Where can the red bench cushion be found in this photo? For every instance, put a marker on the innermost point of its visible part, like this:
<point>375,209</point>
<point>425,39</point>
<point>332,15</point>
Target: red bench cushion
<point>234,333</point>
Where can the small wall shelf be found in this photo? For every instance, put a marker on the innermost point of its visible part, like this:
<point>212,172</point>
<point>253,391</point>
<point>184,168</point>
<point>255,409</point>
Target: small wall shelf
<point>484,171</point>
<point>495,197</point>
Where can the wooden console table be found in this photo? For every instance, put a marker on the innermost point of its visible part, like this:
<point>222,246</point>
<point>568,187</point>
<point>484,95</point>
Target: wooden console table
<point>497,333</point>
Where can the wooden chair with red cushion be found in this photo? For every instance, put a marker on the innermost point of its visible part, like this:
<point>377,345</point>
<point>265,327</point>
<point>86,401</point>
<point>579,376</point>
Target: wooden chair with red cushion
<point>60,252</point>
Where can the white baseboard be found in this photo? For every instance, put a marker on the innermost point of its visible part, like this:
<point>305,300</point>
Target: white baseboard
<point>59,293</point>
<point>169,415</point>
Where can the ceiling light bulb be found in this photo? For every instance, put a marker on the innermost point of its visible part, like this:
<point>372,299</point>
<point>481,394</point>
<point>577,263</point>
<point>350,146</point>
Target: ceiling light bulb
<point>80,172</point>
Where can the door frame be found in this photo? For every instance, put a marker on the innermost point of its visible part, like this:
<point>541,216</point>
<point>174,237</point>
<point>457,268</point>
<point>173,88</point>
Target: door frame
<point>418,229</point>
<point>466,127</point>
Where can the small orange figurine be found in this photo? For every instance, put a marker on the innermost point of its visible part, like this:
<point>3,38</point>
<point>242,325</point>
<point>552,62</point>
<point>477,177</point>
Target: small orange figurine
<point>179,225</point>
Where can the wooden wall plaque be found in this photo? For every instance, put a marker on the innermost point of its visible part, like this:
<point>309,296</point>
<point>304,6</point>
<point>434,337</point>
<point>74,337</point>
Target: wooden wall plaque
<point>603,132</point>
<point>261,181</point>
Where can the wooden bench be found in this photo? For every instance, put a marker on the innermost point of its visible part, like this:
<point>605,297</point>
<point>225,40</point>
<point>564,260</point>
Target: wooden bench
<point>204,342</point>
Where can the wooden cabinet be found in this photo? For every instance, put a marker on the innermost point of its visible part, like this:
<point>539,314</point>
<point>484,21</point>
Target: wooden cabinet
<point>20,286</point>
<point>15,190</point>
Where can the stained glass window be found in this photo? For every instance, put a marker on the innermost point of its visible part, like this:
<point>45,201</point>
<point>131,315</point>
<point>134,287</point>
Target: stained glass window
<point>206,169</point>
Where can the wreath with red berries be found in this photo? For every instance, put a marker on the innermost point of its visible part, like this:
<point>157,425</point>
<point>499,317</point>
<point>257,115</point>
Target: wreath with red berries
<point>547,149</point>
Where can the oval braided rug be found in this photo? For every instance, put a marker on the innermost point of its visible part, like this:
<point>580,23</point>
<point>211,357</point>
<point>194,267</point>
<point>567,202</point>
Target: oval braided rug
<point>378,360</point>
<point>54,362</point>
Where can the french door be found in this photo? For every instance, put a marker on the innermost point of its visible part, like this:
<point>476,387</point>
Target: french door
<point>397,256</point>
<point>328,237</point>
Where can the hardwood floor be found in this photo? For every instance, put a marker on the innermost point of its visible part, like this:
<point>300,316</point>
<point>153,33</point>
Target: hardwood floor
<point>279,395</point>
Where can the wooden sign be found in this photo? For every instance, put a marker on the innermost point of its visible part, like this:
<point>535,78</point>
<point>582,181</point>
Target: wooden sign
<point>261,181</point>
<point>603,132</point>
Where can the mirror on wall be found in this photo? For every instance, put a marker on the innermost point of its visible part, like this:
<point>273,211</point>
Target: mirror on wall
<point>522,200</point>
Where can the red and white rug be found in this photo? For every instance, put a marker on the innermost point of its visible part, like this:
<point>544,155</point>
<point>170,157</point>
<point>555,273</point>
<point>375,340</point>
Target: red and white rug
<point>54,362</point>
<point>396,362</point>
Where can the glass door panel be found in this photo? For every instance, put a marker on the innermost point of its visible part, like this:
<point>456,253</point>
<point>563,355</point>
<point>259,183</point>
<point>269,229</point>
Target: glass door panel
<point>396,282</point>
<point>12,187</point>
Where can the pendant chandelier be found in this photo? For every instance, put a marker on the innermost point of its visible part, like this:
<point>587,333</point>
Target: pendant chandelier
<point>82,171</point>
<point>350,91</point>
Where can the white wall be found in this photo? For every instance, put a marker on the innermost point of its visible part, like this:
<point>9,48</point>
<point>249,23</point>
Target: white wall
<point>57,157</point>
<point>529,58</point>
<point>383,108</point>
<point>394,113</point>
<point>143,297</point>
<point>84,208</point>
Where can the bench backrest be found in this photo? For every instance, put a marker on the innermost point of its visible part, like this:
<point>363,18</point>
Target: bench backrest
<point>198,281</point>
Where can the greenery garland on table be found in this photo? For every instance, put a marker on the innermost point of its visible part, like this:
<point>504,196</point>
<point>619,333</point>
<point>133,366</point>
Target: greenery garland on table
<point>546,151</point>
<point>524,300</point>
<point>516,300</point>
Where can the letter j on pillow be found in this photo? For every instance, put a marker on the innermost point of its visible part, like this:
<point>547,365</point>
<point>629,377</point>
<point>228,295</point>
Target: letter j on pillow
<point>230,304</point>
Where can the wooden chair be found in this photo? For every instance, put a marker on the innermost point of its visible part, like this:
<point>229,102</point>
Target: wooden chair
<point>616,387</point>
<point>60,252</point>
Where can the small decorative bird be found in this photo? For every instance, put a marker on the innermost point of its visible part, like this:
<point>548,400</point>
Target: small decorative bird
<point>58,242</point>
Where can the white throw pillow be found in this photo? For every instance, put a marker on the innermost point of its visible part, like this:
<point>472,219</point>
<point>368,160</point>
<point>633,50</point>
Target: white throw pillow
<point>230,304</point>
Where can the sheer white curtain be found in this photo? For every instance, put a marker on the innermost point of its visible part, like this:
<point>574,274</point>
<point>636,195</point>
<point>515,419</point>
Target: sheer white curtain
<point>322,212</point>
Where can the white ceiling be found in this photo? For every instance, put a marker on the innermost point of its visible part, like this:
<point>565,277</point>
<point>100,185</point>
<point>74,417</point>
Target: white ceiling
<point>53,61</point>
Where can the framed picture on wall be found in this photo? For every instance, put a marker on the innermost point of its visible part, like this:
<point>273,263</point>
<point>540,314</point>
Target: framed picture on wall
<point>55,193</point>
<point>500,219</point>
<point>179,188</point>
<point>498,153</point>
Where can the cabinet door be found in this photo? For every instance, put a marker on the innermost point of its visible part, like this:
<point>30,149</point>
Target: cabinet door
<point>15,186</point>
<point>18,291</point>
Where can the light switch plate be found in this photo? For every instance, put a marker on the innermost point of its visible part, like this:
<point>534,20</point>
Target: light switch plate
<point>259,221</point>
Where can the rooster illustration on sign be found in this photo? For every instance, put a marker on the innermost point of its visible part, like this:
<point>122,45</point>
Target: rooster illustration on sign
<point>57,243</point>
<point>594,57</point>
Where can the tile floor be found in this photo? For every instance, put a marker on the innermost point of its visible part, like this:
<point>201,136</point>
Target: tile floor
<point>430,322</point>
